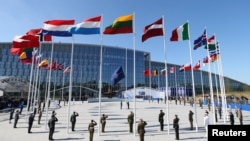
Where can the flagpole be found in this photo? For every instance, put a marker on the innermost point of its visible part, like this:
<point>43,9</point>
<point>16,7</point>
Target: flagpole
<point>70,83</point>
<point>100,81</point>
<point>63,86</point>
<point>192,72</point>
<point>48,91</point>
<point>166,74</point>
<point>134,77</point>
<point>202,89</point>
<point>176,92</point>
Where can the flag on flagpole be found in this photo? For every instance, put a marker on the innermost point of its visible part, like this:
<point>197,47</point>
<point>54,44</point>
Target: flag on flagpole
<point>38,32</point>
<point>117,76</point>
<point>186,67</point>
<point>27,53</point>
<point>43,63</point>
<point>146,73</point>
<point>152,30</point>
<point>202,40</point>
<point>211,45</point>
<point>57,27</point>
<point>172,70</point>
<point>87,27</point>
<point>154,73</point>
<point>25,41</point>
<point>67,70</point>
<point>197,66</point>
<point>163,72</point>
<point>180,33</point>
<point>121,25</point>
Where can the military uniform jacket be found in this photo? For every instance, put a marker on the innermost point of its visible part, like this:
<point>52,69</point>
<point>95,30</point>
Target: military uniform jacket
<point>161,115</point>
<point>176,123</point>
<point>131,118</point>
<point>91,127</point>
<point>52,122</point>
<point>141,127</point>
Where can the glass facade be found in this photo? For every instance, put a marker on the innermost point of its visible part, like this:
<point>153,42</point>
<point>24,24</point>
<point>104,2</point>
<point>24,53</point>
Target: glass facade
<point>86,68</point>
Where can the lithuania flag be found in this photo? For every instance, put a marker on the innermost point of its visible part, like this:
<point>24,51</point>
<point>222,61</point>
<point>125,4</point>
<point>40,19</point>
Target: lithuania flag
<point>121,25</point>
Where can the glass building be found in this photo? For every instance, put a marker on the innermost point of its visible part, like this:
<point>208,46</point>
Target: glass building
<point>86,68</point>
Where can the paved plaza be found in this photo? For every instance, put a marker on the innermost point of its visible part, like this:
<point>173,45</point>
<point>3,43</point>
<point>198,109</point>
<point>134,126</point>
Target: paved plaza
<point>116,126</point>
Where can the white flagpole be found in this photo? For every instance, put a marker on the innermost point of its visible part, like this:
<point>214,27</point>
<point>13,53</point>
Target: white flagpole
<point>134,78</point>
<point>100,79</point>
<point>31,72</point>
<point>55,75</point>
<point>63,86</point>
<point>176,91</point>
<point>202,89</point>
<point>80,86</point>
<point>70,83</point>
<point>192,72</point>
<point>166,75</point>
<point>48,95</point>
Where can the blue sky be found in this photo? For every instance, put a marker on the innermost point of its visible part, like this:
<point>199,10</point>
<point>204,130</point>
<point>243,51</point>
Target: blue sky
<point>227,20</point>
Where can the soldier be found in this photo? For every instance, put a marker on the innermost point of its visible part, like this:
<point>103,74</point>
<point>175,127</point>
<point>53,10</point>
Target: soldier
<point>40,113</point>
<point>141,129</point>
<point>16,118</point>
<point>91,129</point>
<point>161,119</point>
<point>190,117</point>
<point>73,120</point>
<point>11,115</point>
<point>51,125</point>
<point>231,117</point>
<point>31,119</point>
<point>176,126</point>
<point>131,121</point>
<point>103,121</point>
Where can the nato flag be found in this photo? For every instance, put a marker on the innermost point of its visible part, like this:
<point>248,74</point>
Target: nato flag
<point>117,76</point>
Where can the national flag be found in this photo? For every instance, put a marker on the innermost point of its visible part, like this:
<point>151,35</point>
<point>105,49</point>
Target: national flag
<point>121,25</point>
<point>197,66</point>
<point>27,53</point>
<point>205,60</point>
<point>211,45</point>
<point>214,57</point>
<point>180,33</point>
<point>202,40</point>
<point>186,67</point>
<point>67,70</point>
<point>146,73</point>
<point>152,30</point>
<point>60,66</point>
<point>52,66</point>
<point>43,63</point>
<point>25,41</point>
<point>87,27</point>
<point>57,27</point>
<point>163,72</point>
<point>172,70</point>
<point>38,32</point>
<point>154,73</point>
<point>117,76</point>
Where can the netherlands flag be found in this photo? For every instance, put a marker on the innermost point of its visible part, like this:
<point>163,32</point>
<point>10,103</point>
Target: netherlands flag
<point>88,26</point>
<point>58,27</point>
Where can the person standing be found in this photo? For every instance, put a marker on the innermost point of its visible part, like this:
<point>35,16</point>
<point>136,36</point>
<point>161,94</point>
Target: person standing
<point>31,119</point>
<point>91,129</point>
<point>141,129</point>
<point>40,113</point>
<point>127,104</point>
<point>51,125</point>
<point>206,123</point>
<point>190,117</point>
<point>176,126</point>
<point>231,117</point>
<point>103,121</point>
<point>219,111</point>
<point>73,120</point>
<point>11,115</point>
<point>121,105</point>
<point>16,118</point>
<point>21,107</point>
<point>161,120</point>
<point>240,116</point>
<point>131,121</point>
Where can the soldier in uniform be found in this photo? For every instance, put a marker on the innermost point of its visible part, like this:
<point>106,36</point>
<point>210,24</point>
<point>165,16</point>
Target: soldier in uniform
<point>91,129</point>
<point>51,125</point>
<point>161,119</point>
<point>16,118</point>
<point>40,113</point>
<point>141,129</point>
<point>131,121</point>
<point>176,126</point>
<point>190,118</point>
<point>31,119</point>
<point>73,120</point>
<point>103,121</point>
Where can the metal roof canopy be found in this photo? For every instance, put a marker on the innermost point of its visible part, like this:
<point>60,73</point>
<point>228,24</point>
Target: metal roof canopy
<point>13,84</point>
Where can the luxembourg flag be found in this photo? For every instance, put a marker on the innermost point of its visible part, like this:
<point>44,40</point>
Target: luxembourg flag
<point>57,27</point>
<point>88,26</point>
